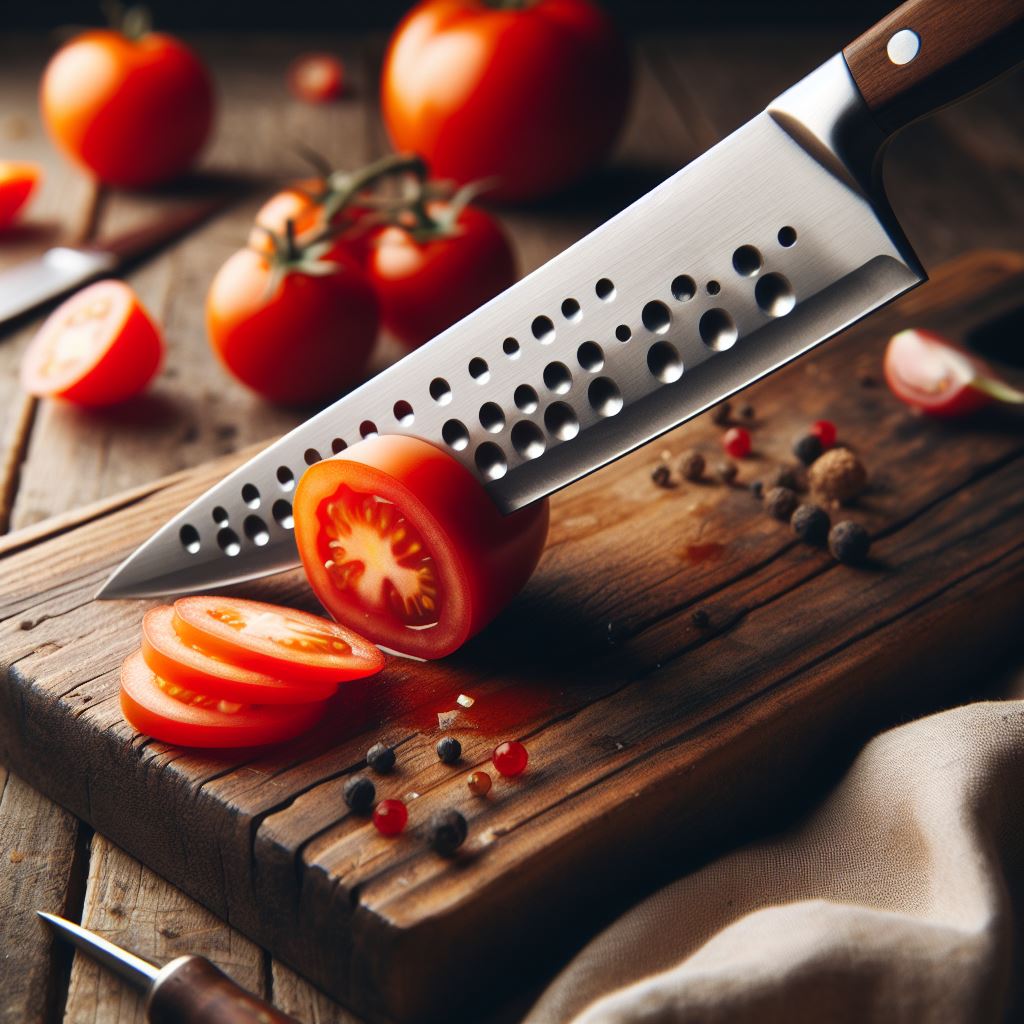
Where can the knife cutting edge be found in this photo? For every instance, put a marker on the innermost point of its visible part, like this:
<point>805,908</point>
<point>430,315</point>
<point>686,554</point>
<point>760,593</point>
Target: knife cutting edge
<point>187,990</point>
<point>767,245</point>
<point>63,268</point>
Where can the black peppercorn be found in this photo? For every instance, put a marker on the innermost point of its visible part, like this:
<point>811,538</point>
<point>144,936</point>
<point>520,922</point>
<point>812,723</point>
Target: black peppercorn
<point>360,794</point>
<point>780,503</point>
<point>808,448</point>
<point>727,472</point>
<point>849,542</point>
<point>381,758</point>
<point>661,475</point>
<point>449,749</point>
<point>747,412</point>
<point>721,413</point>
<point>810,523</point>
<point>700,618</point>
<point>692,466</point>
<point>446,831</point>
<point>792,477</point>
<point>757,489</point>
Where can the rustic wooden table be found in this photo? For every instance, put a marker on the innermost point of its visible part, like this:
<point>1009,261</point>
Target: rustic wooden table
<point>956,182</point>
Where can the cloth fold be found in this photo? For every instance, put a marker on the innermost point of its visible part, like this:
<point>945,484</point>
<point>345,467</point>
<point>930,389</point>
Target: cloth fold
<point>899,898</point>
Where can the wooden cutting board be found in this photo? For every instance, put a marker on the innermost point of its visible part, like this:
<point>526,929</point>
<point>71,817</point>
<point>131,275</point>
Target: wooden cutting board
<point>654,739</point>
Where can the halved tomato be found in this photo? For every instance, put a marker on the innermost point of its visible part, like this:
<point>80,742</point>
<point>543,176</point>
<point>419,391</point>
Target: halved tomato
<point>18,180</point>
<point>193,668</point>
<point>97,348</point>
<point>175,715</point>
<point>291,644</point>
<point>402,544</point>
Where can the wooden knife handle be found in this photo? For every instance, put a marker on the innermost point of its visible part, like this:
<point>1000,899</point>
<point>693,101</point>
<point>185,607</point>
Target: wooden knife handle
<point>928,53</point>
<point>190,990</point>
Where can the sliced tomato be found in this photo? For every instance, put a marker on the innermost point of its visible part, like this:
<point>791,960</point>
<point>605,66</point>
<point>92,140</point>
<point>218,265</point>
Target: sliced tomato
<point>18,180</point>
<point>193,668</point>
<point>931,373</point>
<point>97,348</point>
<point>279,641</point>
<point>402,544</point>
<point>173,714</point>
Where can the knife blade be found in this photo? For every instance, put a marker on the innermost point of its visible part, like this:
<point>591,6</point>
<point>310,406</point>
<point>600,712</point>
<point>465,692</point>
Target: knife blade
<point>187,990</point>
<point>767,245</point>
<point>61,269</point>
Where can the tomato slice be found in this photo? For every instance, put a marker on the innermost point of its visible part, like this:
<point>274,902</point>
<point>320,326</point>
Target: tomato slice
<point>18,181</point>
<point>280,641</point>
<point>193,668</point>
<point>401,543</point>
<point>175,715</point>
<point>97,348</point>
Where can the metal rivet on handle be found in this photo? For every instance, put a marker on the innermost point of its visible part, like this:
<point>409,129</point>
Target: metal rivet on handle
<point>903,47</point>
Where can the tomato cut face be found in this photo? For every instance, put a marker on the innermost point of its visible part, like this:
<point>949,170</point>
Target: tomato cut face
<point>194,668</point>
<point>401,543</point>
<point>97,348</point>
<point>173,714</point>
<point>279,641</point>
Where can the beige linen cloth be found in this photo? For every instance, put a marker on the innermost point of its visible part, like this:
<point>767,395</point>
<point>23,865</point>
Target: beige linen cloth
<point>898,899</point>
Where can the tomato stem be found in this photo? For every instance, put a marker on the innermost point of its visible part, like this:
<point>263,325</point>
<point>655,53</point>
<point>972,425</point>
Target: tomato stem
<point>999,390</point>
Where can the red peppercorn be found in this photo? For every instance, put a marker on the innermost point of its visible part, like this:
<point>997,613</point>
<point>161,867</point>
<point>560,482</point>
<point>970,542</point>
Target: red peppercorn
<point>736,441</point>
<point>479,783</point>
<point>825,432</point>
<point>390,816</point>
<point>510,758</point>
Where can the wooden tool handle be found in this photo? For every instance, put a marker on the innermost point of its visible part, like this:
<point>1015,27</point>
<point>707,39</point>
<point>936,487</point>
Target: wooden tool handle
<point>928,53</point>
<point>191,990</point>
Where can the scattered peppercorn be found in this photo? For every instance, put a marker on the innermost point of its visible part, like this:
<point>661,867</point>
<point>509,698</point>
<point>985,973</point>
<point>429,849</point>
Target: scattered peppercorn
<point>747,412</point>
<point>381,758</point>
<point>390,817</point>
<point>479,783</point>
<point>726,472</point>
<point>692,466</point>
<point>446,831</point>
<point>780,503</point>
<point>838,475</point>
<point>449,749</point>
<point>866,380</point>
<point>757,489</point>
<point>810,523</point>
<point>808,448</point>
<point>721,413</point>
<point>700,618</point>
<point>792,477</point>
<point>661,475</point>
<point>736,442</point>
<point>360,794</point>
<point>826,432</point>
<point>849,542</point>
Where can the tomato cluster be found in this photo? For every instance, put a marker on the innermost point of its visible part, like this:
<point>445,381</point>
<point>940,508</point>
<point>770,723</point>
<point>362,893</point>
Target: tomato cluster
<point>225,672</point>
<point>295,314</point>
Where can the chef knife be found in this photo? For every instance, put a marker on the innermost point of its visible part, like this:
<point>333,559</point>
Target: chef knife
<point>188,990</point>
<point>768,244</point>
<point>62,268</point>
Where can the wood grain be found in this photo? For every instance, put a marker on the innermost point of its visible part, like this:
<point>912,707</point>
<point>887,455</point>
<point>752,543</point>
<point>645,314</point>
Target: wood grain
<point>128,904</point>
<point>964,44</point>
<point>653,739</point>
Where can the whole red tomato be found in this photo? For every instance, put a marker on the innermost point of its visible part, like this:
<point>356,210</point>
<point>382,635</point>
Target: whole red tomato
<point>133,111</point>
<point>305,337</point>
<point>531,95</point>
<point>425,286</point>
